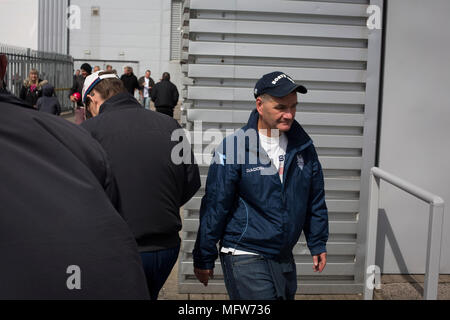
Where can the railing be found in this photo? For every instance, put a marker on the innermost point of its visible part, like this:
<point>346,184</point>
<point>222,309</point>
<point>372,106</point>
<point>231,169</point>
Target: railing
<point>434,230</point>
<point>57,69</point>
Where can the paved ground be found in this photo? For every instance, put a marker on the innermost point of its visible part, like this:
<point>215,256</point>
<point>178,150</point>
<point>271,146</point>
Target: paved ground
<point>394,287</point>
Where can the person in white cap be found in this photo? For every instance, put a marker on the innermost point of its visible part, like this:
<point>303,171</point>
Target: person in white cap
<point>152,188</point>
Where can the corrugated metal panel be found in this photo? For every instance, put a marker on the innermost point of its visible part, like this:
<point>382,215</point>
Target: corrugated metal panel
<point>175,30</point>
<point>227,46</point>
<point>52,32</point>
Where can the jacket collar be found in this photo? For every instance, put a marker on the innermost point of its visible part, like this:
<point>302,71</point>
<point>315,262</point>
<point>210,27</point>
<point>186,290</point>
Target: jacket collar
<point>297,136</point>
<point>120,101</point>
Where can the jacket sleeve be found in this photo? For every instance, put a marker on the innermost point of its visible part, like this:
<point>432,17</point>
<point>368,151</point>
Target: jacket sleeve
<point>136,83</point>
<point>191,180</point>
<point>110,187</point>
<point>109,183</point>
<point>74,87</point>
<point>175,95</point>
<point>221,188</point>
<point>23,93</point>
<point>316,224</point>
<point>154,92</point>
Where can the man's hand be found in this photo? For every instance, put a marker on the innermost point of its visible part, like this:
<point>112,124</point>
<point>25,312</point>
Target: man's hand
<point>72,98</point>
<point>204,275</point>
<point>319,262</point>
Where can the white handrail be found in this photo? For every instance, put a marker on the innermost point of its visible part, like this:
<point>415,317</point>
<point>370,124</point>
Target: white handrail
<point>434,231</point>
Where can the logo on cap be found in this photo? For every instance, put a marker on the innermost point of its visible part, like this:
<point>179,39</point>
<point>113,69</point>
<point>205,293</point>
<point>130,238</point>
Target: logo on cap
<point>281,76</point>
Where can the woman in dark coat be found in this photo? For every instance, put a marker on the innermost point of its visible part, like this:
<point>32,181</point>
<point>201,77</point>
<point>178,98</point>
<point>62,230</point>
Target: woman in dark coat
<point>32,88</point>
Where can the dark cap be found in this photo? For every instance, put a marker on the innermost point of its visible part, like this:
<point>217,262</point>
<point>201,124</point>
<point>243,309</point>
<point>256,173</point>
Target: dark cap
<point>86,67</point>
<point>277,84</point>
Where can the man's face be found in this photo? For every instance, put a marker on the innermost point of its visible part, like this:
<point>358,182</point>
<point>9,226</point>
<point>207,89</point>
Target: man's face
<point>84,73</point>
<point>277,113</point>
<point>147,74</point>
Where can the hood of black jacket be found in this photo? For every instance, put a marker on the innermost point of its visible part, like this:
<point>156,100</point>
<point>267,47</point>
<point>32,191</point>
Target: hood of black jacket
<point>48,90</point>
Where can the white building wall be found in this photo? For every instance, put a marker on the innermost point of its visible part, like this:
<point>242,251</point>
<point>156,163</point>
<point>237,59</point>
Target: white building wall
<point>415,130</point>
<point>19,23</point>
<point>132,30</point>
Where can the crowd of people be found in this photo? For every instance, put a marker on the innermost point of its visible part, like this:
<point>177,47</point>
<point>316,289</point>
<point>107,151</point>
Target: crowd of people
<point>164,94</point>
<point>114,211</point>
<point>40,94</point>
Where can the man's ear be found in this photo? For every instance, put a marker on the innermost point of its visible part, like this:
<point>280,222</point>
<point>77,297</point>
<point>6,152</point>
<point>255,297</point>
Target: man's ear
<point>259,105</point>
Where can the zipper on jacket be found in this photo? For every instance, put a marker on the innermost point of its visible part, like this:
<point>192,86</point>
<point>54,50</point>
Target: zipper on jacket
<point>288,163</point>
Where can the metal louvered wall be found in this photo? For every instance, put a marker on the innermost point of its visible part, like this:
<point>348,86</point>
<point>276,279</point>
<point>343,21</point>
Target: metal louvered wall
<point>175,30</point>
<point>227,46</point>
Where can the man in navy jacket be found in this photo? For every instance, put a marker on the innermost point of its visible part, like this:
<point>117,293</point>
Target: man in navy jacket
<point>264,187</point>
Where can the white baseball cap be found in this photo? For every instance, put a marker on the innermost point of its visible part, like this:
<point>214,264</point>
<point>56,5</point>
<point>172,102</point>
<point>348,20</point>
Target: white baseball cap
<point>92,80</point>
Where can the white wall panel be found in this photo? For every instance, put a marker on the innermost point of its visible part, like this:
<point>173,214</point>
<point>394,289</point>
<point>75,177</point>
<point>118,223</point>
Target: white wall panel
<point>415,132</point>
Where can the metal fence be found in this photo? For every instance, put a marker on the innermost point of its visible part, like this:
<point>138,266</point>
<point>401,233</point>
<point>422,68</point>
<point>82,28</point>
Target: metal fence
<point>57,69</point>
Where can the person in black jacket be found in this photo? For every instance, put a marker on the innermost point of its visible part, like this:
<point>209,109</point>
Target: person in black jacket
<point>31,89</point>
<point>146,83</point>
<point>130,81</point>
<point>77,87</point>
<point>152,187</point>
<point>61,237</point>
<point>165,95</point>
<point>48,102</point>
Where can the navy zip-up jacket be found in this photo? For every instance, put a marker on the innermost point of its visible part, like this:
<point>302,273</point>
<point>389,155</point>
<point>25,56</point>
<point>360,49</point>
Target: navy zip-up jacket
<point>246,207</point>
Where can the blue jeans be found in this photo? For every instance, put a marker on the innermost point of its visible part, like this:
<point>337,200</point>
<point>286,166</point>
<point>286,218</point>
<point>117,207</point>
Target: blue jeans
<point>147,103</point>
<point>253,277</point>
<point>157,267</point>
